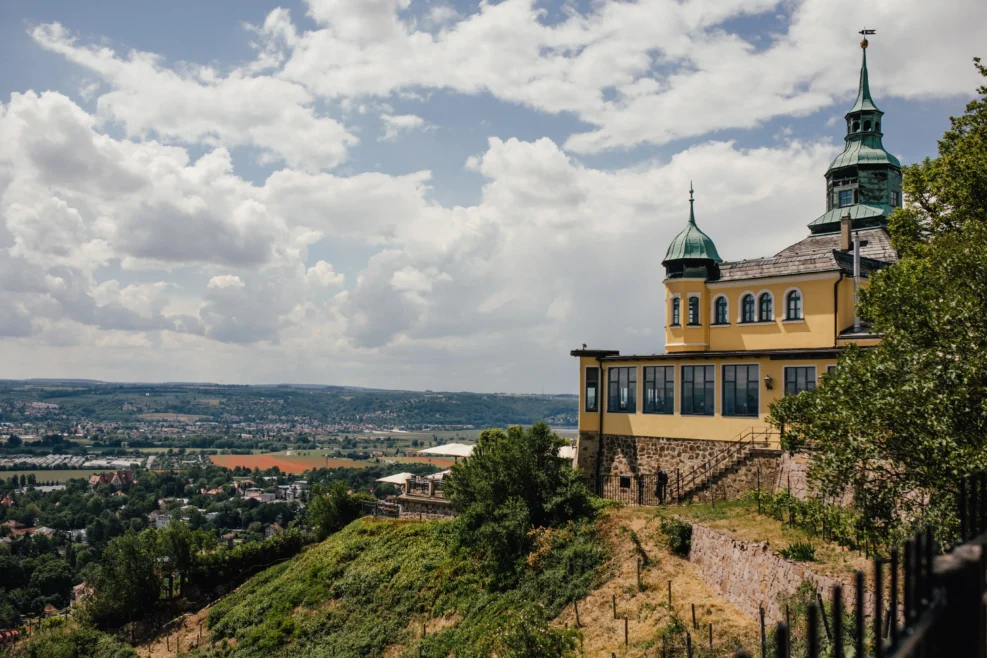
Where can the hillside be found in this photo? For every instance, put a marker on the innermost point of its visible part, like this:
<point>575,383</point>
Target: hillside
<point>370,589</point>
<point>216,403</point>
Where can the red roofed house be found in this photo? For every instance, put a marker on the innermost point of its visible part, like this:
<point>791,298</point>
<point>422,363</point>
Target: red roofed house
<point>115,480</point>
<point>7,501</point>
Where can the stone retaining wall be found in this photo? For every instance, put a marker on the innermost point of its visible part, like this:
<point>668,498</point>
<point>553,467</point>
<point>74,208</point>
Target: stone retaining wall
<point>425,510</point>
<point>642,455</point>
<point>749,575</point>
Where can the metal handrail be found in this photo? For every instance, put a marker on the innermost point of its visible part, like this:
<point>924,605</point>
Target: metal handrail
<point>746,438</point>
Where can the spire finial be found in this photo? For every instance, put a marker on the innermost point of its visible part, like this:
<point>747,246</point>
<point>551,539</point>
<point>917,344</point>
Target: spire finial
<point>864,99</point>
<point>692,201</point>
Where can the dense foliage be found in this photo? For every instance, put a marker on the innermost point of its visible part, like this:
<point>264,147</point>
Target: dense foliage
<point>333,508</point>
<point>55,640</point>
<point>513,482</point>
<point>900,424</point>
<point>678,536</point>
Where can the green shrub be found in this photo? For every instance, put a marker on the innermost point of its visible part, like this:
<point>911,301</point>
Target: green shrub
<point>678,536</point>
<point>514,481</point>
<point>63,642</point>
<point>799,551</point>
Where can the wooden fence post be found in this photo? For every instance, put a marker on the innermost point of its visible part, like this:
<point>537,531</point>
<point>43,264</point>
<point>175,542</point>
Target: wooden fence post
<point>613,600</point>
<point>764,637</point>
<point>625,632</point>
<point>669,594</point>
<point>695,626</point>
<point>575,606</point>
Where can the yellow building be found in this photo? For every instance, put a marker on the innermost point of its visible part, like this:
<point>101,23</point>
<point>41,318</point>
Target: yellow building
<point>739,335</point>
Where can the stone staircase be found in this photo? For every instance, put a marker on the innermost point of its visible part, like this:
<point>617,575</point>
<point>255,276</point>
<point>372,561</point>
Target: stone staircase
<point>733,471</point>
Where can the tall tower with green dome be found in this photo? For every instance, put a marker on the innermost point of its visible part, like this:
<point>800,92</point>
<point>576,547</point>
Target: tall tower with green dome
<point>692,253</point>
<point>864,180</point>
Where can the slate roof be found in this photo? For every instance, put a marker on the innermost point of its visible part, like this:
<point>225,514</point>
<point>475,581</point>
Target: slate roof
<point>878,245</point>
<point>815,254</point>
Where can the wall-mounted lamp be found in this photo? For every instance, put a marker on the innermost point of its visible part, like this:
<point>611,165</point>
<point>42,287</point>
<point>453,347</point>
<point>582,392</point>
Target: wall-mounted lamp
<point>767,382</point>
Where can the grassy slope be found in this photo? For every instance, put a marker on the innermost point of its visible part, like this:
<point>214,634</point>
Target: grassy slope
<point>741,520</point>
<point>369,589</point>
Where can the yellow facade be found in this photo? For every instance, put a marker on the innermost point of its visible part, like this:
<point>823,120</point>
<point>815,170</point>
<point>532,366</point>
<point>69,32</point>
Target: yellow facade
<point>827,302</point>
<point>717,427</point>
<point>752,350</point>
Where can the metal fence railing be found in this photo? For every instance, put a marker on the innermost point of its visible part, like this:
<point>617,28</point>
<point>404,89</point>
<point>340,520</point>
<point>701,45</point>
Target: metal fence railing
<point>933,606</point>
<point>382,509</point>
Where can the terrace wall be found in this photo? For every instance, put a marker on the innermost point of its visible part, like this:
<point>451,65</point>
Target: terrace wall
<point>750,575</point>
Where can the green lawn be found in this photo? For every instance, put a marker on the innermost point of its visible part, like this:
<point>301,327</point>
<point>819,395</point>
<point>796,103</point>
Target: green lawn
<point>53,476</point>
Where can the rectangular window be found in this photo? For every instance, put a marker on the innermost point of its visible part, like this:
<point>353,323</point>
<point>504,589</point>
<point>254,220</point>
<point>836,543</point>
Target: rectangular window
<point>698,394</point>
<point>894,198</point>
<point>592,389</point>
<point>622,390</point>
<point>846,198</point>
<point>659,390</point>
<point>676,311</point>
<point>740,390</point>
<point>799,378</point>
<point>693,310</point>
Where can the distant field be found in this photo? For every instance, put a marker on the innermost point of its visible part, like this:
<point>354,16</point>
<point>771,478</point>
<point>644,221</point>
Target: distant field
<point>298,464</point>
<point>180,418</point>
<point>53,476</point>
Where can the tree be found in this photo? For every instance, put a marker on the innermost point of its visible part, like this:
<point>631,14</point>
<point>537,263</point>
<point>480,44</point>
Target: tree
<point>175,543</point>
<point>53,578</point>
<point>332,509</point>
<point>125,584</point>
<point>900,424</point>
<point>14,441</point>
<point>514,481</point>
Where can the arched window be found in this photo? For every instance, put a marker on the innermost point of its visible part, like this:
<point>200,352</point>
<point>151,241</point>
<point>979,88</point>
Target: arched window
<point>676,311</point>
<point>793,305</point>
<point>764,310</point>
<point>856,126</point>
<point>720,311</point>
<point>877,127</point>
<point>693,310</point>
<point>866,126</point>
<point>748,309</point>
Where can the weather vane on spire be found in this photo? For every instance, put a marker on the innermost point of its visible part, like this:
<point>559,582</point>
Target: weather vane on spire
<point>690,191</point>
<point>865,32</point>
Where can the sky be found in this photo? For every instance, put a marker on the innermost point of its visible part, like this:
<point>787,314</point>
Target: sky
<point>417,194</point>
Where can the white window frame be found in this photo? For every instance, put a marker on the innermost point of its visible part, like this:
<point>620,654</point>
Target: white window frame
<point>671,303</point>
<point>712,311</point>
<point>699,306</point>
<point>757,307</point>
<point>740,307</point>
<point>785,319</point>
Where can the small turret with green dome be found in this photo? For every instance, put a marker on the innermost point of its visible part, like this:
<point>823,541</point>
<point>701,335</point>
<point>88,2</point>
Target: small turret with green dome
<point>864,180</point>
<point>692,253</point>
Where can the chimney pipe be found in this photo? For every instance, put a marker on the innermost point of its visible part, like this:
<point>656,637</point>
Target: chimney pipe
<point>845,226</point>
<point>856,280</point>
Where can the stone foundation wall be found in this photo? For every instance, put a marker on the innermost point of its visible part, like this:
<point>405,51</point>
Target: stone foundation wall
<point>425,510</point>
<point>737,482</point>
<point>642,455</point>
<point>749,575</point>
<point>639,455</point>
<point>793,469</point>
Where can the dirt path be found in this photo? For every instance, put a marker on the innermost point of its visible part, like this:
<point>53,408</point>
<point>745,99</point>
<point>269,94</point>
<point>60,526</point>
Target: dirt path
<point>646,609</point>
<point>182,635</point>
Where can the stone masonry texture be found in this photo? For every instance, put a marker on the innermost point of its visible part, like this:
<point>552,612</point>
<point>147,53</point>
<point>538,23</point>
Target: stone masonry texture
<point>636,455</point>
<point>750,575</point>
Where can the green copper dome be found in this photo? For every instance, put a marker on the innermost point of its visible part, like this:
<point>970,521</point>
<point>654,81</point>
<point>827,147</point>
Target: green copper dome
<point>691,243</point>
